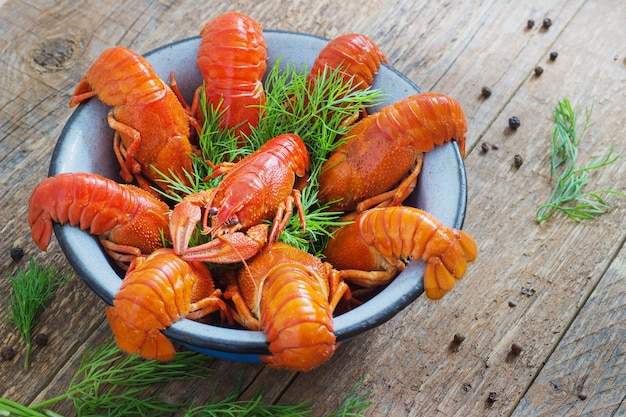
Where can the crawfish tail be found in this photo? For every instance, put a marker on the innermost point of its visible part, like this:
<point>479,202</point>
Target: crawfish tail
<point>232,59</point>
<point>356,55</point>
<point>157,291</point>
<point>425,120</point>
<point>403,232</point>
<point>232,54</point>
<point>96,203</point>
<point>296,319</point>
<point>120,77</point>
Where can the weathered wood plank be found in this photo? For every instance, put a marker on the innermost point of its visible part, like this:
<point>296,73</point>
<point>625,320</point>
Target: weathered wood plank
<point>586,375</point>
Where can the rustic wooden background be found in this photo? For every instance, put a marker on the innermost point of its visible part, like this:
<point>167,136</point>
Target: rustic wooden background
<point>572,327</point>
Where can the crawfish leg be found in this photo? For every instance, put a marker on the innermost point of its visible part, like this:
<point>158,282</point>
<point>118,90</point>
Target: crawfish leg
<point>128,164</point>
<point>208,305</point>
<point>396,196</point>
<point>123,255</point>
<point>283,214</point>
<point>339,290</point>
<point>242,313</point>
<point>192,111</point>
<point>368,279</point>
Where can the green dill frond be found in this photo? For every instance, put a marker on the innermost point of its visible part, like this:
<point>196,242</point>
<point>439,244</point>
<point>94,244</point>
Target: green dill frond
<point>353,404</point>
<point>320,224</point>
<point>111,382</point>
<point>217,143</point>
<point>568,195</point>
<point>316,110</point>
<point>30,292</point>
<point>179,187</point>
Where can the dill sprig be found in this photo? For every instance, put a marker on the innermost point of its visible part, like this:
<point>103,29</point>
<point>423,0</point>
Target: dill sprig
<point>232,406</point>
<point>30,291</point>
<point>568,194</point>
<point>316,110</point>
<point>353,405</point>
<point>217,143</point>
<point>110,382</point>
<point>319,223</point>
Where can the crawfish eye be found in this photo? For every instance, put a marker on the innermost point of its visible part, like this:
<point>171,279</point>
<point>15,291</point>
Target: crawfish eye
<point>213,211</point>
<point>232,222</point>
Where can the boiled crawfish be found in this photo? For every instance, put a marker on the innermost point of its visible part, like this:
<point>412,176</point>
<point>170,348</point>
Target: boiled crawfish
<point>152,126</point>
<point>157,291</point>
<point>356,57</point>
<point>258,187</point>
<point>372,250</point>
<point>385,150</point>
<point>232,59</point>
<point>290,295</point>
<point>128,220</point>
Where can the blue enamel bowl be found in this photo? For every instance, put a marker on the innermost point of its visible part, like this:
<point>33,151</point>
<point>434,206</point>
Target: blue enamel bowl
<point>85,145</point>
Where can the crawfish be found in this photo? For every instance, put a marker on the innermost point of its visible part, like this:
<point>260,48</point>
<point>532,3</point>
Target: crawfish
<point>385,150</point>
<point>290,295</point>
<point>128,220</point>
<point>371,250</point>
<point>232,60</point>
<point>158,290</point>
<point>258,187</point>
<point>356,57</point>
<point>151,125</point>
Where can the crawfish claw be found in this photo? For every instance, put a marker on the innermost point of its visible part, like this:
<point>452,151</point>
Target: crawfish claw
<point>229,247</point>
<point>183,221</point>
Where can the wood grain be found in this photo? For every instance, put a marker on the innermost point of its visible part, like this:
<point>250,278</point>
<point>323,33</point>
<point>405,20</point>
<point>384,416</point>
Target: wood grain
<point>408,365</point>
<point>585,375</point>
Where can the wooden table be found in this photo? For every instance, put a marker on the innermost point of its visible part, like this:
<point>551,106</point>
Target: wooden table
<point>571,325</point>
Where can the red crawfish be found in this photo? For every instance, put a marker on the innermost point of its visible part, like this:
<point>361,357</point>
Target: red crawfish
<point>157,291</point>
<point>128,220</point>
<point>381,158</point>
<point>151,125</point>
<point>356,57</point>
<point>372,250</point>
<point>258,187</point>
<point>290,295</point>
<point>232,59</point>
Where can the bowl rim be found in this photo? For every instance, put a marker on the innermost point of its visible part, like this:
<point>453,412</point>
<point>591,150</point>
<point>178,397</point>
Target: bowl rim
<point>402,292</point>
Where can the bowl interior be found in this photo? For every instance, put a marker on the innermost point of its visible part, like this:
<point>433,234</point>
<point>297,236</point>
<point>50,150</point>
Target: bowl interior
<point>85,145</point>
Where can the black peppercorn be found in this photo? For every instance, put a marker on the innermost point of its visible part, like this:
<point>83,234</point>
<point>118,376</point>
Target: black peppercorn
<point>41,339</point>
<point>516,348</point>
<point>7,353</point>
<point>530,24</point>
<point>582,395</point>
<point>538,71</point>
<point>512,303</point>
<point>484,147</point>
<point>518,161</point>
<point>493,396</point>
<point>514,122</point>
<point>553,55</point>
<point>486,92</point>
<point>547,22</point>
<point>17,253</point>
<point>458,338</point>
